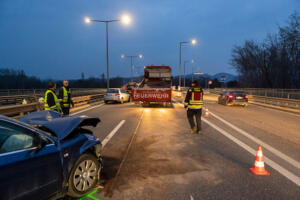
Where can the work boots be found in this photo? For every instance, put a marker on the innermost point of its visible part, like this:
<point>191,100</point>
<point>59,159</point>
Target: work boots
<point>193,130</point>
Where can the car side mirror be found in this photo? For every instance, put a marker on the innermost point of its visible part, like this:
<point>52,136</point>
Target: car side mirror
<point>42,143</point>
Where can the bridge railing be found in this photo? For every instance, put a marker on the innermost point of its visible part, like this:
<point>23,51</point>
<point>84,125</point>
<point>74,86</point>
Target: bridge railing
<point>272,99</point>
<point>16,96</point>
<point>17,111</point>
<point>277,93</point>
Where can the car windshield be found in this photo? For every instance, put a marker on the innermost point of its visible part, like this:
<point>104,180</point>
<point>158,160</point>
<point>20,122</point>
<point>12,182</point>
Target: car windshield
<point>113,91</point>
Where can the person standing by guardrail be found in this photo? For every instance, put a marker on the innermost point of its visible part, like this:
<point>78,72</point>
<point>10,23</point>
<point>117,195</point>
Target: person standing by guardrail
<point>51,100</point>
<point>65,97</point>
<point>194,102</point>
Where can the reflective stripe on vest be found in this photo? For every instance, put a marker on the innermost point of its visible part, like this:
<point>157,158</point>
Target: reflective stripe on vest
<point>66,96</point>
<point>196,100</point>
<point>46,106</point>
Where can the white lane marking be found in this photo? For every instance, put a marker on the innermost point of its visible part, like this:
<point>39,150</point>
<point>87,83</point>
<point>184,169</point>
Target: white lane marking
<point>192,198</point>
<point>258,141</point>
<point>112,133</point>
<point>273,164</point>
<point>89,108</point>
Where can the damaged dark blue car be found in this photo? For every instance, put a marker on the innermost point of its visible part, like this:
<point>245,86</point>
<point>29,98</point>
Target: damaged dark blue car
<point>44,155</point>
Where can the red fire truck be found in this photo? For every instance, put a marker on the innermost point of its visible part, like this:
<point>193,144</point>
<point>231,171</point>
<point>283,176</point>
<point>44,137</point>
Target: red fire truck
<point>155,87</point>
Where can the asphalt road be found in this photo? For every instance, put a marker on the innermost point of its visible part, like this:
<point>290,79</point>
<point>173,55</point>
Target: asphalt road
<point>149,153</point>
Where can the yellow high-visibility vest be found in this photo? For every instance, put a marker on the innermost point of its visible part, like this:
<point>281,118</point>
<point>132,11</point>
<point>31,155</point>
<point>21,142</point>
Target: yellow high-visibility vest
<point>66,96</point>
<point>56,106</point>
<point>195,101</point>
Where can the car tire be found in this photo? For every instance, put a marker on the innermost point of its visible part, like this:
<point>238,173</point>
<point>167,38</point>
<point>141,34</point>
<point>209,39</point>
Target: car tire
<point>91,175</point>
<point>106,102</point>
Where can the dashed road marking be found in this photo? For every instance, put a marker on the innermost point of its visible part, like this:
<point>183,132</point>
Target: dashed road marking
<point>292,177</point>
<point>112,133</point>
<point>75,113</point>
<point>258,141</point>
<point>273,164</point>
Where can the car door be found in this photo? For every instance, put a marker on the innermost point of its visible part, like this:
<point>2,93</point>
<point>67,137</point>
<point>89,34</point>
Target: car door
<point>27,171</point>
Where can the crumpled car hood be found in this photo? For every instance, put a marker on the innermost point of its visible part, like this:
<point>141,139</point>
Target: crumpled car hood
<point>60,125</point>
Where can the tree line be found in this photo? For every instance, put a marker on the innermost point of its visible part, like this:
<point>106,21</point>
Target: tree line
<point>17,79</point>
<point>273,63</point>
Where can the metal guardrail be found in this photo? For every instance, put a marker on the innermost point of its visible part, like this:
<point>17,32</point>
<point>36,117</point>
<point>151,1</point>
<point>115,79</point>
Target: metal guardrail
<point>19,110</point>
<point>277,93</point>
<point>9,97</point>
<point>289,103</point>
<point>283,102</point>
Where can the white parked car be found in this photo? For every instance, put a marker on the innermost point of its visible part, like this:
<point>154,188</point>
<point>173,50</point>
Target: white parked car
<point>116,95</point>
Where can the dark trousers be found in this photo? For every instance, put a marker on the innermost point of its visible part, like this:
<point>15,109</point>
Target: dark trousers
<point>193,114</point>
<point>66,110</point>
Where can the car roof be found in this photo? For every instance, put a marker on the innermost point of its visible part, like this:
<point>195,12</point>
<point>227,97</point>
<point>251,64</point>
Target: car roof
<point>15,121</point>
<point>236,91</point>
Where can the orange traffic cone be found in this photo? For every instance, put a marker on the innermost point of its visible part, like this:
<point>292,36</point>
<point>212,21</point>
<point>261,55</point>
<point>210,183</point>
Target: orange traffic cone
<point>259,165</point>
<point>206,113</point>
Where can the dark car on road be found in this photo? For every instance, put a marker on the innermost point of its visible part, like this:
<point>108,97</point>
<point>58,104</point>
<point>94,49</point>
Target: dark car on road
<point>47,156</point>
<point>233,97</point>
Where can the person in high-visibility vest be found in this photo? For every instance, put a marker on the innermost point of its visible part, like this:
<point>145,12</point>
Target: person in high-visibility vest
<point>65,98</point>
<point>194,102</point>
<point>51,101</point>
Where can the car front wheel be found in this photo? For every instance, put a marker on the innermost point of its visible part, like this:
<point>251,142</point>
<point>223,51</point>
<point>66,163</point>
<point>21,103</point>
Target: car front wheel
<point>84,176</point>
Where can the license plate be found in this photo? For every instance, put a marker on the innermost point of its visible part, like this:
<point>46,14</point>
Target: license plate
<point>239,97</point>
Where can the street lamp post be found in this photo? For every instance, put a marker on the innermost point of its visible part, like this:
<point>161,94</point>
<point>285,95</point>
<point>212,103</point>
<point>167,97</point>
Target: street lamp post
<point>125,20</point>
<point>131,63</point>
<point>193,42</point>
<point>184,63</point>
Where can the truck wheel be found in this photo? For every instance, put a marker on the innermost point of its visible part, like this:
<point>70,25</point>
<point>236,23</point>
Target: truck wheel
<point>106,102</point>
<point>84,176</point>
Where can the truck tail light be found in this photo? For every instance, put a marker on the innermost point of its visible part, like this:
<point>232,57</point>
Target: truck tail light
<point>230,96</point>
<point>117,94</point>
<point>246,97</point>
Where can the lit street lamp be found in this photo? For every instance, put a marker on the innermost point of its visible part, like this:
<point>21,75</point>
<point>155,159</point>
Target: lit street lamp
<point>125,20</point>
<point>192,42</point>
<point>140,56</point>
<point>184,63</point>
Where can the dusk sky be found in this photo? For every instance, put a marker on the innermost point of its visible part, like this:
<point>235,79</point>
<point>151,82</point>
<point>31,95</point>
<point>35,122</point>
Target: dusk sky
<point>49,39</point>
